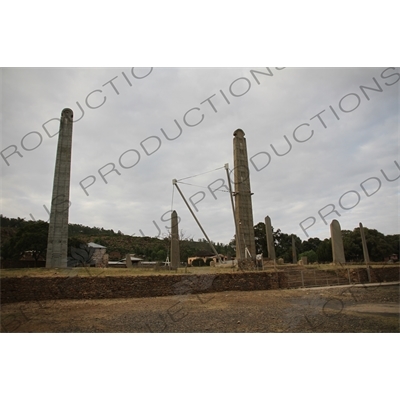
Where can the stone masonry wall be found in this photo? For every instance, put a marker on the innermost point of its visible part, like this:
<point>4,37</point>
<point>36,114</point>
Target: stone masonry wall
<point>54,288</point>
<point>49,288</point>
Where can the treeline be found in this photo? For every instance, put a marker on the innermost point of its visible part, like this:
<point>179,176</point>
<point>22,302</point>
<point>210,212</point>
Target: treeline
<point>155,249</point>
<point>380,247</point>
<point>73,229</point>
<point>19,236</point>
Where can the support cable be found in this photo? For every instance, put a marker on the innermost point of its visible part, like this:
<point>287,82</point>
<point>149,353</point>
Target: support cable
<point>203,187</point>
<point>203,173</point>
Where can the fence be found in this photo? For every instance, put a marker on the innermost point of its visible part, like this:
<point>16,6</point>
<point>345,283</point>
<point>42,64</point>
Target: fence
<point>315,277</point>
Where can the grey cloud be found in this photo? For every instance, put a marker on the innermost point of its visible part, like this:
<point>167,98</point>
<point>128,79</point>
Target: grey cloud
<point>291,188</point>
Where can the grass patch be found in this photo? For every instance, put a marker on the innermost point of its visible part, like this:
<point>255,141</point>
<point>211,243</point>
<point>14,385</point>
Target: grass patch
<point>101,272</point>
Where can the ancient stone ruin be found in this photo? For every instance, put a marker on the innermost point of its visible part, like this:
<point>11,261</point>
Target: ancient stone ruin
<point>57,244</point>
<point>337,243</point>
<point>243,203</point>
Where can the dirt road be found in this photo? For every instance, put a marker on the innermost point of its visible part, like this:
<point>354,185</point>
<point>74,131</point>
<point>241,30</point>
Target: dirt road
<point>339,309</point>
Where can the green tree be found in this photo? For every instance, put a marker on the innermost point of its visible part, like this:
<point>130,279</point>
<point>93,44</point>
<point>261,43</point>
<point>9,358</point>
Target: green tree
<point>101,242</point>
<point>311,244</point>
<point>261,239</point>
<point>32,236</point>
<point>379,246</point>
<point>282,242</point>
<point>11,222</point>
<point>311,256</point>
<point>75,243</point>
<point>283,247</point>
<point>324,251</point>
<point>352,245</point>
<point>393,243</point>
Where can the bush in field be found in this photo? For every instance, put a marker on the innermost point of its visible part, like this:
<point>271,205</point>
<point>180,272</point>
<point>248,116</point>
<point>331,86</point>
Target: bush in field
<point>311,256</point>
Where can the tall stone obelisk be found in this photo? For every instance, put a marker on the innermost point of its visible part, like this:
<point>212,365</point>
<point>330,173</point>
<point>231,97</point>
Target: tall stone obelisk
<point>57,243</point>
<point>243,204</point>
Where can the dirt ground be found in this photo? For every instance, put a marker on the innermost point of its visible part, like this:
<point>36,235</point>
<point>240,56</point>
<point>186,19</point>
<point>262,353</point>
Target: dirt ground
<point>333,309</point>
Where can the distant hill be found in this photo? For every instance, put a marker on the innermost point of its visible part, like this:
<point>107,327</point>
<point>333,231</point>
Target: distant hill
<point>380,247</point>
<point>118,244</point>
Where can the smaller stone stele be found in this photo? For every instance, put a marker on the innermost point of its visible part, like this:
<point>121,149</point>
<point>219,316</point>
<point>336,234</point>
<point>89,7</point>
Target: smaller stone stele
<point>304,260</point>
<point>175,251</point>
<point>364,244</point>
<point>128,261</point>
<point>294,253</point>
<point>280,261</point>
<point>270,238</point>
<point>337,243</point>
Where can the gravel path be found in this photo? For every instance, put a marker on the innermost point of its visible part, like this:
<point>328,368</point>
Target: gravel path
<point>353,309</point>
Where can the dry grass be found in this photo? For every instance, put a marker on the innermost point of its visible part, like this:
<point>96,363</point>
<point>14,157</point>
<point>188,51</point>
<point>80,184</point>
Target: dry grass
<point>101,272</point>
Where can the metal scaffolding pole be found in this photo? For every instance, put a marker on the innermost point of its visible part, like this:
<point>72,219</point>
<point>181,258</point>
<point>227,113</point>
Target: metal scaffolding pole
<point>233,211</point>
<point>175,182</point>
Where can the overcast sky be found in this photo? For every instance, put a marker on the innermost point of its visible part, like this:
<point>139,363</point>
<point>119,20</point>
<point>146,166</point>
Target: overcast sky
<point>346,135</point>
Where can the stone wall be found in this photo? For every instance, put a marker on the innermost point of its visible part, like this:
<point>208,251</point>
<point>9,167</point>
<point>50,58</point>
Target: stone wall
<point>49,288</point>
<point>52,288</point>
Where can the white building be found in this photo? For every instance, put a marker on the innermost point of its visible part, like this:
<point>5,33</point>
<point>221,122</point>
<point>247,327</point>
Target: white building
<point>100,256</point>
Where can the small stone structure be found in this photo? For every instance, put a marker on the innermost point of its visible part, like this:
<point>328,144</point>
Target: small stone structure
<point>214,258</point>
<point>128,261</point>
<point>303,261</point>
<point>99,257</point>
<point>337,243</point>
